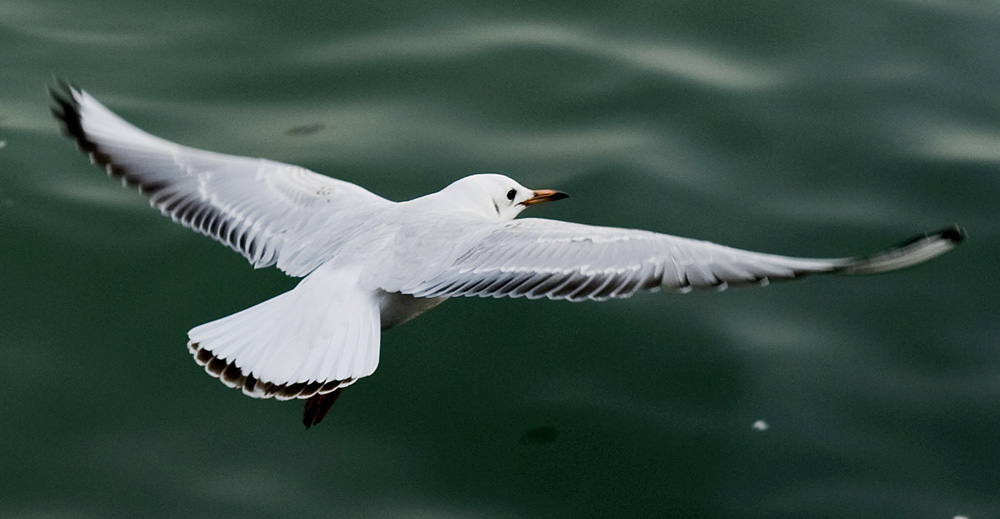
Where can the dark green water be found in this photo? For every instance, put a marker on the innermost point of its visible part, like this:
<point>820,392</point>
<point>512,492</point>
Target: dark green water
<point>801,128</point>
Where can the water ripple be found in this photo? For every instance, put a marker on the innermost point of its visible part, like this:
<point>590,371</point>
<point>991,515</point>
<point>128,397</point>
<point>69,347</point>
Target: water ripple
<point>950,140</point>
<point>696,64</point>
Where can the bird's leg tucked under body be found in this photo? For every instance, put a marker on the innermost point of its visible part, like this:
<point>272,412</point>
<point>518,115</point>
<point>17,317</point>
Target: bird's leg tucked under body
<point>317,406</point>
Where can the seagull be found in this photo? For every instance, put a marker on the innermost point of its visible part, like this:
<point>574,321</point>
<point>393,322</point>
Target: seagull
<point>369,264</point>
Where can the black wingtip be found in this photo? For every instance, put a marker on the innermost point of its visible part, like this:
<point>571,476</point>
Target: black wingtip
<point>954,234</point>
<point>914,251</point>
<point>63,93</point>
<point>67,111</point>
<point>64,102</point>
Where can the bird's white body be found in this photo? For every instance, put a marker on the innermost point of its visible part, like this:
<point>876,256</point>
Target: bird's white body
<point>369,264</point>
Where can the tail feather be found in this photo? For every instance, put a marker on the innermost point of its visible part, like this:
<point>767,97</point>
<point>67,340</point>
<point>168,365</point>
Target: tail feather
<point>320,336</point>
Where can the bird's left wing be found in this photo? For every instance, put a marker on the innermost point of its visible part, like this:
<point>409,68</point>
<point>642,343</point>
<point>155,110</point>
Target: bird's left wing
<point>537,258</point>
<point>268,211</point>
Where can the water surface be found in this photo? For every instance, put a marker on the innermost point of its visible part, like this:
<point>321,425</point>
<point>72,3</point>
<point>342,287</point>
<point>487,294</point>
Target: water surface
<point>813,129</point>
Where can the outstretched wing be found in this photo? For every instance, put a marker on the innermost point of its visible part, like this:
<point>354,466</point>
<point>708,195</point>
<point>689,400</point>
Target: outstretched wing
<point>265,210</point>
<point>537,258</point>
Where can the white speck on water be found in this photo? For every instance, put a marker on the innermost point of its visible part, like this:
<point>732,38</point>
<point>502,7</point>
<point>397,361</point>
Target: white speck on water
<point>3,144</point>
<point>761,425</point>
<point>961,517</point>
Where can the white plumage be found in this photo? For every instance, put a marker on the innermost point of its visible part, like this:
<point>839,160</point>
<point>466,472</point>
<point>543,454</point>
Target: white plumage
<point>370,264</point>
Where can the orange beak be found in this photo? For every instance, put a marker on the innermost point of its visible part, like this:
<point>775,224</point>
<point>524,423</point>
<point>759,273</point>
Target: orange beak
<point>544,195</point>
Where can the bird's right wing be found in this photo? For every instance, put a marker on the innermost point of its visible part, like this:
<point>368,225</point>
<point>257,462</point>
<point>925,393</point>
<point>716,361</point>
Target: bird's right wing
<point>537,258</point>
<point>267,211</point>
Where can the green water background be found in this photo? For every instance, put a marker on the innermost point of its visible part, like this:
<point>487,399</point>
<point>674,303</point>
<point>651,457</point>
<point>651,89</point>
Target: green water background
<point>806,128</point>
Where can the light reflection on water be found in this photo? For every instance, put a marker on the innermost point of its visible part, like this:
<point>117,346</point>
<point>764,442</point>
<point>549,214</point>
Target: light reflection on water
<point>673,60</point>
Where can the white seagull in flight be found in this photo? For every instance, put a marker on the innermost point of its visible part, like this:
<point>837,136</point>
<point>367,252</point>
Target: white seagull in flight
<point>368,264</point>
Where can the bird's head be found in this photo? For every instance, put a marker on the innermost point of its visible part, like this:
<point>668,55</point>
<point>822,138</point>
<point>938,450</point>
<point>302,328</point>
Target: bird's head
<point>496,197</point>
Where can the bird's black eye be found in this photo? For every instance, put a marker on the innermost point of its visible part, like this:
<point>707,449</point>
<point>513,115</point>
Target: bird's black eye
<point>511,194</point>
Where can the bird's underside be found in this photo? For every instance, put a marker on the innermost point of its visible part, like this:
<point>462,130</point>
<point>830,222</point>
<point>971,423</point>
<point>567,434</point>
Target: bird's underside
<point>368,264</point>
